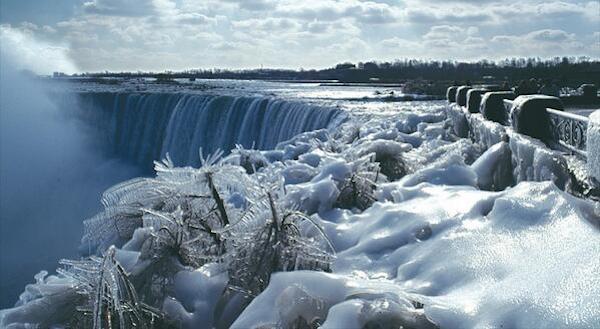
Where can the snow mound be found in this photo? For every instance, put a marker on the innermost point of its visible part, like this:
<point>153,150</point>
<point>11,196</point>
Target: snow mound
<point>331,301</point>
<point>521,258</point>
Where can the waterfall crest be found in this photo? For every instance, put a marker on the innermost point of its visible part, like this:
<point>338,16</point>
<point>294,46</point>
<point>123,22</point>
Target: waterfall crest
<point>142,127</point>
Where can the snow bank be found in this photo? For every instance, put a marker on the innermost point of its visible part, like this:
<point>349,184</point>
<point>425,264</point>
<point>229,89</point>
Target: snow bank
<point>521,258</point>
<point>330,301</point>
<point>446,171</point>
<point>493,168</point>
<point>195,296</point>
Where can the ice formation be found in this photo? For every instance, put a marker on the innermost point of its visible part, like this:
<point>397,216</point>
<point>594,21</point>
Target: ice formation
<point>593,145</point>
<point>453,235</point>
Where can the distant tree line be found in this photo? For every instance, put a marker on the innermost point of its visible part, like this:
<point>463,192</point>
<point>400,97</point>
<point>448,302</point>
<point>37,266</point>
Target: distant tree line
<point>563,70</point>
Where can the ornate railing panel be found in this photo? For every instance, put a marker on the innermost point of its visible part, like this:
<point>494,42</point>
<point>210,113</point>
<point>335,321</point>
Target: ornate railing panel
<point>568,130</point>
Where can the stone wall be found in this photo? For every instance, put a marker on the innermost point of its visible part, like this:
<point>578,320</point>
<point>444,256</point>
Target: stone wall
<point>532,157</point>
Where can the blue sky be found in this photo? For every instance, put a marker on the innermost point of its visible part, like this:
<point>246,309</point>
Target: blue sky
<point>94,35</point>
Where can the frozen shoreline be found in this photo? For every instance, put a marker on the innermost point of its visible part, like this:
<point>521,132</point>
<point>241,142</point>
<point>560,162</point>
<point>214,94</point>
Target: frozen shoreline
<point>430,247</point>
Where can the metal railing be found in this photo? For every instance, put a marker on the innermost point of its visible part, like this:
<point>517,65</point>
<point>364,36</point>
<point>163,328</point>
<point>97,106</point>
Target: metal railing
<point>569,131</point>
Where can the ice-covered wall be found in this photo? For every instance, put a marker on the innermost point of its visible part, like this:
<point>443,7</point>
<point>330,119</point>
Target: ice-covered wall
<point>458,118</point>
<point>531,159</point>
<point>593,145</point>
<point>146,126</point>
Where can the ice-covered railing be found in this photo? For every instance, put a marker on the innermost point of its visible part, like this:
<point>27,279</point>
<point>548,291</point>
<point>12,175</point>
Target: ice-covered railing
<point>538,116</point>
<point>568,131</point>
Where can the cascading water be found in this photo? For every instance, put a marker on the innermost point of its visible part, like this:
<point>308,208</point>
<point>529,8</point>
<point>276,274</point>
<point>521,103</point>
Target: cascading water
<point>142,127</point>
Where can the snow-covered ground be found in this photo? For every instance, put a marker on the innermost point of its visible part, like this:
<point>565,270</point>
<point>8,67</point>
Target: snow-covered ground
<point>390,206</point>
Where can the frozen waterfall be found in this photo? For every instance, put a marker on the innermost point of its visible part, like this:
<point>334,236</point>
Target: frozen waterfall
<point>142,127</point>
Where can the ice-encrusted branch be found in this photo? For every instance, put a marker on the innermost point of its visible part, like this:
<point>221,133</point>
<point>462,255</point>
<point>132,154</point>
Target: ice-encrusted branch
<point>112,301</point>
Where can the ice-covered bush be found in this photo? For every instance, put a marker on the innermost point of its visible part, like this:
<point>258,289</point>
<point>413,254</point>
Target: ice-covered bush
<point>356,192</point>
<point>276,243</point>
<point>111,300</point>
<point>90,293</point>
<point>249,159</point>
<point>388,154</point>
<point>200,193</point>
<point>180,220</point>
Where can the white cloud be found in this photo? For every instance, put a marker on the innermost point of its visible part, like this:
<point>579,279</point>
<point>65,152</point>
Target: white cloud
<point>441,15</point>
<point>542,41</point>
<point>270,25</point>
<point>180,34</point>
<point>551,36</point>
<point>194,18</point>
<point>119,7</point>
<point>444,32</point>
<point>367,12</point>
<point>254,5</point>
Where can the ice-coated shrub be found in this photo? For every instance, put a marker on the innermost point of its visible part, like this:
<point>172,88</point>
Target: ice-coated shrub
<point>50,300</point>
<point>356,192</point>
<point>275,242</point>
<point>356,181</point>
<point>196,191</point>
<point>110,299</point>
<point>388,154</point>
<point>178,221</point>
<point>249,159</point>
<point>90,293</point>
<point>393,166</point>
<point>177,242</point>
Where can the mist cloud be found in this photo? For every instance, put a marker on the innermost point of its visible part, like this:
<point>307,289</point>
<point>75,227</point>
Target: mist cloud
<point>51,176</point>
<point>25,52</point>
